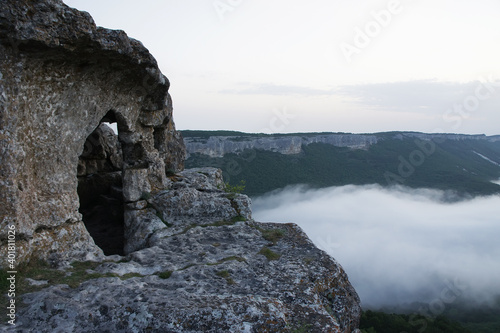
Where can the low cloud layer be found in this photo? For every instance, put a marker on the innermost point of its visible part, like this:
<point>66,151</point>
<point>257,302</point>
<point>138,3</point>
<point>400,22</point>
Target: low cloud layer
<point>398,246</point>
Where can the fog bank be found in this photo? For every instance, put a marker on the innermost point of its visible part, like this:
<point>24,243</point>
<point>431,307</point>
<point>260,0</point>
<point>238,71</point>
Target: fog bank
<point>398,245</point>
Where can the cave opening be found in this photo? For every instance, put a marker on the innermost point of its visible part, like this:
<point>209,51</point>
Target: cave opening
<point>100,187</point>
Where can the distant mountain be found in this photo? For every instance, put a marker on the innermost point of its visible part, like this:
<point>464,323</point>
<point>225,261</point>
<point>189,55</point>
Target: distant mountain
<point>466,164</point>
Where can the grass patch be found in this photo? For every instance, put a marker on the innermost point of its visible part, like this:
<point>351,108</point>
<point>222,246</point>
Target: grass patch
<point>39,270</point>
<point>165,275</point>
<point>226,275</point>
<point>231,258</point>
<point>187,266</point>
<point>238,218</point>
<point>73,277</point>
<point>215,224</point>
<point>223,274</point>
<point>130,275</point>
<point>272,235</point>
<point>269,254</point>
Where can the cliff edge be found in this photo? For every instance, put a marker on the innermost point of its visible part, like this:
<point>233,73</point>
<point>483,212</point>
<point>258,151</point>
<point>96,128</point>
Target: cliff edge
<point>165,250</point>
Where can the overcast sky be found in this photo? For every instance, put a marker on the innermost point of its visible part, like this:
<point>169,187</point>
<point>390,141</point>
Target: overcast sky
<point>321,65</point>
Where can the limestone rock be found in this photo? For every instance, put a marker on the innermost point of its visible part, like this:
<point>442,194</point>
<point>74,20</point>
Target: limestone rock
<point>198,196</point>
<point>220,282</point>
<point>193,197</point>
<point>201,274</point>
<point>141,224</point>
<point>60,78</point>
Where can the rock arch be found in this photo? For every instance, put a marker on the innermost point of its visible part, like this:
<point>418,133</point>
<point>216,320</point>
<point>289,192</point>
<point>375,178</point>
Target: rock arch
<point>56,86</point>
<point>100,188</point>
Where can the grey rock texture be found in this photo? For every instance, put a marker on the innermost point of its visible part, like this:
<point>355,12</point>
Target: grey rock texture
<point>218,146</point>
<point>197,196</point>
<point>218,276</point>
<point>60,77</point>
<point>220,283</point>
<point>192,197</point>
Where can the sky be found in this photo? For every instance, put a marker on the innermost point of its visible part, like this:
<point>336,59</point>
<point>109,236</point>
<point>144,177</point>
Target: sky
<point>398,246</point>
<point>321,65</point>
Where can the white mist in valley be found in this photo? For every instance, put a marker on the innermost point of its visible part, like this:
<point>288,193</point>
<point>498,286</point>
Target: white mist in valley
<point>398,245</point>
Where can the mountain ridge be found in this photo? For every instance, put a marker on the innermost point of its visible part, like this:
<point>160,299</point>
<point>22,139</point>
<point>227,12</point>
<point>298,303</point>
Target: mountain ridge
<point>463,163</point>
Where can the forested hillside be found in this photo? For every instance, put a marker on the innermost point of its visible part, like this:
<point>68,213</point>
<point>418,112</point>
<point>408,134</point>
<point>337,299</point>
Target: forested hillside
<point>465,164</point>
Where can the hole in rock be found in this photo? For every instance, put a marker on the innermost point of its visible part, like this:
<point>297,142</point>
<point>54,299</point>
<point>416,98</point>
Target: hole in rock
<point>100,188</point>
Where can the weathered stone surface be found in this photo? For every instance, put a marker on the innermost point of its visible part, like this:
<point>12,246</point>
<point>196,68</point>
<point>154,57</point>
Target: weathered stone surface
<point>197,196</point>
<point>219,283</point>
<point>139,226</point>
<point>223,276</point>
<point>193,197</point>
<point>137,205</point>
<point>60,77</point>
<point>139,184</point>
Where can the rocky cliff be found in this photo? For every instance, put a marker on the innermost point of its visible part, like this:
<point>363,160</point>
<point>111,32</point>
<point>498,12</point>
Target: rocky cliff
<point>166,250</point>
<point>203,142</point>
<point>204,266</point>
<point>218,146</point>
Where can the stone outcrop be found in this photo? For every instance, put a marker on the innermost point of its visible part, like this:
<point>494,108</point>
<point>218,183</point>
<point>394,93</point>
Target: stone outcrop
<point>191,197</point>
<point>207,272</point>
<point>173,250</point>
<point>60,77</point>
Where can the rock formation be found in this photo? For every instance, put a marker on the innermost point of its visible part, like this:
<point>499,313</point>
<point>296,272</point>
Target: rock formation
<point>61,76</point>
<point>181,253</point>
<point>289,144</point>
<point>205,267</point>
<point>218,146</point>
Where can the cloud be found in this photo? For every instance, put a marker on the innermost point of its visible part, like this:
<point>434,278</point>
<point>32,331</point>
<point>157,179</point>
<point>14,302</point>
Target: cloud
<point>399,245</point>
<point>277,90</point>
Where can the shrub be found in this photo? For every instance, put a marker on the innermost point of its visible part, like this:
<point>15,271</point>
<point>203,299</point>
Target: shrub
<point>272,235</point>
<point>165,275</point>
<point>269,254</point>
<point>235,188</point>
